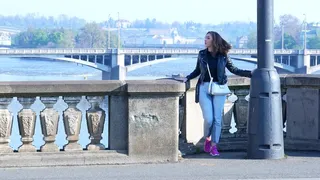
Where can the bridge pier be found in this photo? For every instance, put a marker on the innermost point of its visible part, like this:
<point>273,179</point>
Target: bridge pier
<point>106,75</point>
<point>303,64</point>
<point>118,69</point>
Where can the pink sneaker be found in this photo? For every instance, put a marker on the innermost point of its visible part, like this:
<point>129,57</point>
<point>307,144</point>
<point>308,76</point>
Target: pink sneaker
<point>214,151</point>
<point>207,146</point>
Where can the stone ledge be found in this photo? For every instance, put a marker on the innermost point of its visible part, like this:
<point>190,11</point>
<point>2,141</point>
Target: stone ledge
<point>74,88</point>
<point>155,87</point>
<point>42,159</point>
<point>287,80</point>
<point>299,80</point>
<point>56,88</point>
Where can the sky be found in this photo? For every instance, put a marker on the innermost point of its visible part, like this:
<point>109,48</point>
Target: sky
<point>203,11</point>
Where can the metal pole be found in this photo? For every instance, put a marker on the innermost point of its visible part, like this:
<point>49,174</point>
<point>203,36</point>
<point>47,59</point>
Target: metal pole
<point>265,128</point>
<point>119,24</point>
<point>282,37</point>
<point>109,32</point>
<point>305,31</point>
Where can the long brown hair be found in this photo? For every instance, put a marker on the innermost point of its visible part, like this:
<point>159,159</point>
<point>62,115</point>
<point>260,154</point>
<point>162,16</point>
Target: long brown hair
<point>219,44</point>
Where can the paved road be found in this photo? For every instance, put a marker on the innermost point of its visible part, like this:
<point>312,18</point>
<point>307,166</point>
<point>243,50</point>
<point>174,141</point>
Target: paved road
<point>227,166</point>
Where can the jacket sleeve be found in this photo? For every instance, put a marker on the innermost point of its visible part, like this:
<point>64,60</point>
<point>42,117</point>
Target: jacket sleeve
<point>196,71</point>
<point>233,69</point>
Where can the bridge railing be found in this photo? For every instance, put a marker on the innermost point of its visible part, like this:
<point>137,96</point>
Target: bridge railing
<point>313,51</point>
<point>58,51</point>
<point>118,119</point>
<point>64,51</point>
<point>300,107</point>
<point>159,51</point>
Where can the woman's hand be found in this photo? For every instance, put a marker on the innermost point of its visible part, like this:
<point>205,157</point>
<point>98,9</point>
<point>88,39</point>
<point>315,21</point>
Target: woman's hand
<point>182,79</point>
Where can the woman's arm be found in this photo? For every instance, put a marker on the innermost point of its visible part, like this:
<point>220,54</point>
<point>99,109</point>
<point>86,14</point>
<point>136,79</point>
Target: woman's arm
<point>233,69</point>
<point>196,71</point>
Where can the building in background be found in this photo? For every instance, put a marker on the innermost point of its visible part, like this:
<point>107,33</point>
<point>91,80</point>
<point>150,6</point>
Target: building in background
<point>5,38</point>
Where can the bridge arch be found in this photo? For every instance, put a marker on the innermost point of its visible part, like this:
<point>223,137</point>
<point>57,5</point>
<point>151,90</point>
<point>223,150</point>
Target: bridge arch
<point>280,67</point>
<point>78,61</point>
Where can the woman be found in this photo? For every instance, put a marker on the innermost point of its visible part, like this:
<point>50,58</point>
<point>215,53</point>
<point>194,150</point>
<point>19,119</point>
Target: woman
<point>215,55</point>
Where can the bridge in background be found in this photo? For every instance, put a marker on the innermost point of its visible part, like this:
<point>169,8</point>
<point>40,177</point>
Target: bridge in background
<point>115,63</point>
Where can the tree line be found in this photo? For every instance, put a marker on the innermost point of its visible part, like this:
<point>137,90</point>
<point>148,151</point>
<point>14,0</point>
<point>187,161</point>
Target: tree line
<point>90,36</point>
<point>64,31</point>
<point>291,29</point>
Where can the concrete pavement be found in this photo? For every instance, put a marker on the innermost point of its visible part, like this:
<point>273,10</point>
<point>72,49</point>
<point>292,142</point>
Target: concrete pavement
<point>230,165</point>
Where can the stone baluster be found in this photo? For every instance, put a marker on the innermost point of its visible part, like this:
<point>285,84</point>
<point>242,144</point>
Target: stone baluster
<point>6,119</point>
<point>27,122</point>
<point>227,116</point>
<point>72,118</point>
<point>241,112</point>
<point>284,109</point>
<point>49,119</point>
<point>95,123</point>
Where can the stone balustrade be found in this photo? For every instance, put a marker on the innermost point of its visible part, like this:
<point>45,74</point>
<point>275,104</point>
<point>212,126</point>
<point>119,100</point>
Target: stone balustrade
<point>301,109</point>
<point>116,122</point>
<point>138,118</point>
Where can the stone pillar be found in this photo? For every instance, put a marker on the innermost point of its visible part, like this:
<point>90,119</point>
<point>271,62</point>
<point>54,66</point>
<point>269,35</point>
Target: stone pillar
<point>289,60</point>
<point>103,57</point>
<point>26,122</point>
<point>241,112</point>
<point>300,62</point>
<point>303,113</point>
<point>118,73</point>
<point>72,118</point>
<point>95,123</point>
<point>153,120</point>
<point>106,75</point>
<point>139,56</point>
<point>49,119</point>
<point>118,122</point>
<point>6,119</point>
<point>118,69</point>
<point>306,61</point>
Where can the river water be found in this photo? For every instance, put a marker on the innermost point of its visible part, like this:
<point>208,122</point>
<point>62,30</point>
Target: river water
<point>16,69</point>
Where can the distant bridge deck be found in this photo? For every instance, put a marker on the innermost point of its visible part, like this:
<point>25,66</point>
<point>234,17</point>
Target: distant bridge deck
<point>189,51</point>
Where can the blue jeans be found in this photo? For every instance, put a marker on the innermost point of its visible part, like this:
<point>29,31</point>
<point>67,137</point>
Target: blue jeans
<point>212,109</point>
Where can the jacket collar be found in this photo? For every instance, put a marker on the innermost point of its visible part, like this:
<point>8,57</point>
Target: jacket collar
<point>205,52</point>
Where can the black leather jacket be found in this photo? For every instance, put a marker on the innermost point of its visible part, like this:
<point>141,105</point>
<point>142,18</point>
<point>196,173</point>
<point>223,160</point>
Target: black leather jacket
<point>223,63</point>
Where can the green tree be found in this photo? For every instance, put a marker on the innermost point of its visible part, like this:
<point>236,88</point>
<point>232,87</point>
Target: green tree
<point>55,38</point>
<point>91,36</point>
<point>313,43</point>
<point>291,27</point>
<point>32,38</point>
<point>288,43</point>
<point>113,40</point>
<point>67,40</point>
<point>252,40</point>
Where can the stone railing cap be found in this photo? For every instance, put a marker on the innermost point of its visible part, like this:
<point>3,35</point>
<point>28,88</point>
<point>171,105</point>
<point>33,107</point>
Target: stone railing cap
<point>56,88</point>
<point>155,86</point>
<point>302,80</point>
